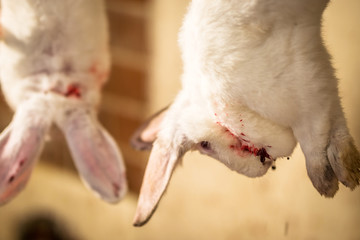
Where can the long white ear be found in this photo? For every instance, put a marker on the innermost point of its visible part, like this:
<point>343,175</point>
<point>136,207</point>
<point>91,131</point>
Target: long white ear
<point>20,145</point>
<point>162,162</point>
<point>96,155</point>
<point>146,134</point>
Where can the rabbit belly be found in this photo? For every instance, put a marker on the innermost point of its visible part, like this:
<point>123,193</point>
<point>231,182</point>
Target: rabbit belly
<point>85,87</point>
<point>48,47</point>
<point>242,52</point>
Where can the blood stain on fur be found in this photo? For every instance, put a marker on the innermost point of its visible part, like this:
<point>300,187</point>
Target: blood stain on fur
<point>263,154</point>
<point>240,148</point>
<point>229,132</point>
<point>245,140</point>
<point>244,146</point>
<point>73,91</point>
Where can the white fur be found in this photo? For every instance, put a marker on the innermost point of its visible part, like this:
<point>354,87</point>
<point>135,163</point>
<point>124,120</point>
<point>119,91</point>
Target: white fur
<point>57,53</point>
<point>44,40</point>
<point>256,69</point>
<point>261,62</point>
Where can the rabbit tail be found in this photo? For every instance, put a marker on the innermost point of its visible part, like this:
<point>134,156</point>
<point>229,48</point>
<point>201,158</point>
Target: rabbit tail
<point>94,151</point>
<point>20,144</point>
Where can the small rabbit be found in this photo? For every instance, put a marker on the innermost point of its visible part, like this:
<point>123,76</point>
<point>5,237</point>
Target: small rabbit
<point>257,79</point>
<point>54,60</point>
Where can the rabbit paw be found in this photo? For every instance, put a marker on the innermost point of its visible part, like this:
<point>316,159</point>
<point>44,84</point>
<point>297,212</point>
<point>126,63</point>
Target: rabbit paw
<point>345,160</point>
<point>323,177</point>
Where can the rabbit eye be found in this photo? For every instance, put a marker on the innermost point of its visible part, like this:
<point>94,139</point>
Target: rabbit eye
<point>205,145</point>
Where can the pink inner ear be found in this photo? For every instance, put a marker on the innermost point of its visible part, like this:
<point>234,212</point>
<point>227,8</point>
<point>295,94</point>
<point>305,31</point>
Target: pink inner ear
<point>149,134</point>
<point>96,154</point>
<point>21,145</point>
<point>16,186</point>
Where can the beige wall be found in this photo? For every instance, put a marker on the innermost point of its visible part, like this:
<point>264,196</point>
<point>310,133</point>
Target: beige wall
<point>165,63</point>
<point>342,36</point>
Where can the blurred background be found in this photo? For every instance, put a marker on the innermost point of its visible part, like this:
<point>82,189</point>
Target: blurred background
<point>205,200</point>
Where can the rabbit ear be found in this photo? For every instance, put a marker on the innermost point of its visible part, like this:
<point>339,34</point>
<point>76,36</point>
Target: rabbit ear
<point>96,155</point>
<point>146,134</point>
<point>20,144</point>
<point>162,162</point>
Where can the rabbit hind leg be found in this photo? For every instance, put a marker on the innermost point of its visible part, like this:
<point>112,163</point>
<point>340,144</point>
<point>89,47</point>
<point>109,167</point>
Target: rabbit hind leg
<point>344,157</point>
<point>313,136</point>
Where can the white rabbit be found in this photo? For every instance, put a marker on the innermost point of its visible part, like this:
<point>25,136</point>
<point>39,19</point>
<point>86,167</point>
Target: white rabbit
<point>256,79</point>
<point>54,59</point>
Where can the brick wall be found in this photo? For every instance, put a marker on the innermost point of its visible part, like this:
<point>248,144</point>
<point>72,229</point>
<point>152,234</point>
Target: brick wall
<point>125,95</point>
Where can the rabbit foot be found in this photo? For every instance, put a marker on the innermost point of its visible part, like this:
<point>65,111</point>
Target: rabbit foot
<point>324,179</point>
<point>345,160</point>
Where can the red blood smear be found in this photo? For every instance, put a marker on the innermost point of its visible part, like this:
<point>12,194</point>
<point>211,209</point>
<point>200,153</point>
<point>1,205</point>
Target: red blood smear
<point>228,131</point>
<point>245,148</point>
<point>251,149</point>
<point>73,91</point>
<point>245,140</point>
<point>255,151</point>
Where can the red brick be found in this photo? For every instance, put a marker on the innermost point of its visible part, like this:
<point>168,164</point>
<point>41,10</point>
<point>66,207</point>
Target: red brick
<point>127,31</point>
<point>127,82</point>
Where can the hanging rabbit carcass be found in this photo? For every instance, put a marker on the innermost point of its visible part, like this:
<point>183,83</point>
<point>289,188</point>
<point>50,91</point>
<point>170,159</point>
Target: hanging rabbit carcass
<point>257,79</point>
<point>54,60</point>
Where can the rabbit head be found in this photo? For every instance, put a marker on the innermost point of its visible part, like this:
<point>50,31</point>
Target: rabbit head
<point>186,126</point>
